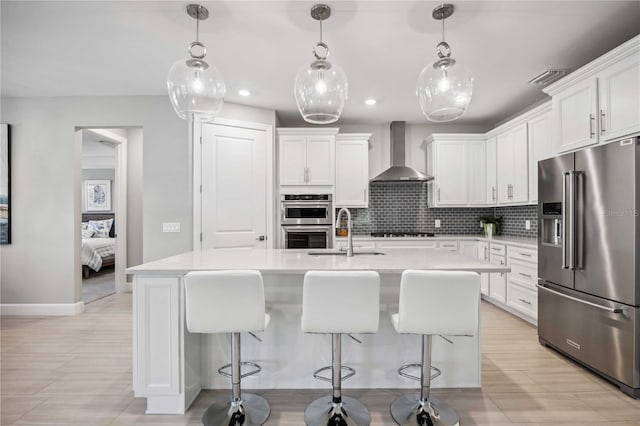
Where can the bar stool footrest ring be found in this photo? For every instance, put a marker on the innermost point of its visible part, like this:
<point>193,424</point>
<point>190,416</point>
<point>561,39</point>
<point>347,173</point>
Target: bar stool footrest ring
<point>401,371</point>
<point>350,373</point>
<point>256,369</point>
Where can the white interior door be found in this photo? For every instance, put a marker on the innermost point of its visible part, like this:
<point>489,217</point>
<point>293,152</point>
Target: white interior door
<point>234,186</point>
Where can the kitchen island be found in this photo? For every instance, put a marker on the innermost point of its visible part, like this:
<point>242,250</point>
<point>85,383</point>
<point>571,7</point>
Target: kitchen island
<point>171,365</point>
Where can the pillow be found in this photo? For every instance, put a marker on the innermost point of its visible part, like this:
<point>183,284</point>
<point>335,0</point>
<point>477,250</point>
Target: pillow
<point>88,233</point>
<point>101,227</point>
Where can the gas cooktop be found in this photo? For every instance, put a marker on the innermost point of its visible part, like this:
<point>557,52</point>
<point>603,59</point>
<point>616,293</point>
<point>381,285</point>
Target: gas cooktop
<point>401,234</point>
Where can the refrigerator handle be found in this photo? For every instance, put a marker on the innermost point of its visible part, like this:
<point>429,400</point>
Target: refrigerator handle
<point>572,219</point>
<point>565,224</point>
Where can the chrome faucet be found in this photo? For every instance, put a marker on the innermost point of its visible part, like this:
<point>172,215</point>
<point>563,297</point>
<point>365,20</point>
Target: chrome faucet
<point>349,238</point>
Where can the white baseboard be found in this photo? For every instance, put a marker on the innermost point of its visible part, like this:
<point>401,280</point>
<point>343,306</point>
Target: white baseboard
<point>41,309</point>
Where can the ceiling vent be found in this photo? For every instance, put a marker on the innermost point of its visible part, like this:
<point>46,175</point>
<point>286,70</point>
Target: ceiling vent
<point>549,76</point>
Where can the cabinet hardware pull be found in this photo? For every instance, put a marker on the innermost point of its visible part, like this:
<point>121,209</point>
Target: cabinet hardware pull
<point>591,132</point>
<point>525,275</point>
<point>496,249</point>
<point>602,121</point>
<point>493,193</point>
<point>525,301</point>
<point>525,254</point>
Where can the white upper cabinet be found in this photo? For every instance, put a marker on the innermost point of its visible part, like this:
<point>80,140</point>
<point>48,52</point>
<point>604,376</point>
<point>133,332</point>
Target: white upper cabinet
<point>352,170</point>
<point>457,162</point>
<point>575,116</point>
<point>491,188</point>
<point>306,156</point>
<point>539,148</point>
<point>512,168</point>
<point>293,160</point>
<point>477,172</point>
<point>599,102</point>
<point>619,89</point>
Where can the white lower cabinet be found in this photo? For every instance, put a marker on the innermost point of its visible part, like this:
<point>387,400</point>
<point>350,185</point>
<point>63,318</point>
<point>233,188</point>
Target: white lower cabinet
<point>498,280</point>
<point>468,248</point>
<point>522,295</point>
<point>483,254</point>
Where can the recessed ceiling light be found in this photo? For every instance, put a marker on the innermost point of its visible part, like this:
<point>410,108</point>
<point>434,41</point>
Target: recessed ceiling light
<point>370,102</point>
<point>244,92</point>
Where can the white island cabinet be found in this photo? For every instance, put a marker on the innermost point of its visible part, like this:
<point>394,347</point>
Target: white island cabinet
<point>171,365</point>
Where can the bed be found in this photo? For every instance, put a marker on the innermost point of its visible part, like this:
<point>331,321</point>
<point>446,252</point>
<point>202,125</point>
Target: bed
<point>98,252</point>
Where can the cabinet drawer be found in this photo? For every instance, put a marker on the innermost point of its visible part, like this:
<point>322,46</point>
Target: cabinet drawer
<point>448,245</point>
<point>523,299</point>
<point>406,244</point>
<point>523,273</point>
<point>342,245</point>
<point>526,255</point>
<point>498,249</point>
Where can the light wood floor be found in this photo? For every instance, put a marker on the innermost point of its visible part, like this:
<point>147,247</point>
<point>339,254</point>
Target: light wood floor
<point>77,371</point>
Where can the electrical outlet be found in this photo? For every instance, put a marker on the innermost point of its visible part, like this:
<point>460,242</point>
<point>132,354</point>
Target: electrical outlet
<point>437,224</point>
<point>481,225</point>
<point>171,227</point>
<point>527,225</point>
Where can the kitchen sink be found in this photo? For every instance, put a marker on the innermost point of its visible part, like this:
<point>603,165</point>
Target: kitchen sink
<point>343,252</point>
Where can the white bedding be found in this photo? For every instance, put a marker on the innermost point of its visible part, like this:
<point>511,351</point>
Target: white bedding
<point>94,249</point>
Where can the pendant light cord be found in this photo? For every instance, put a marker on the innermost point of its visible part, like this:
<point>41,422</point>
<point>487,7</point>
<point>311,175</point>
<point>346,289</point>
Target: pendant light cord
<point>443,19</point>
<point>198,24</point>
<point>320,30</point>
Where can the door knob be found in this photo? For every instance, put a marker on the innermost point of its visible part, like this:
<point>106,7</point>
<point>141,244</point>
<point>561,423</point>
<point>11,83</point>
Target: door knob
<point>261,238</point>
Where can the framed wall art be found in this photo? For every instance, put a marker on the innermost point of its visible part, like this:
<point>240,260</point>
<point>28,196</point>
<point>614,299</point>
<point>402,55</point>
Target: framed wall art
<point>97,195</point>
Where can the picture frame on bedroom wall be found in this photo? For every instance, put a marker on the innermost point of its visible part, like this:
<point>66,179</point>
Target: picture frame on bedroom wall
<point>5,184</point>
<point>97,195</point>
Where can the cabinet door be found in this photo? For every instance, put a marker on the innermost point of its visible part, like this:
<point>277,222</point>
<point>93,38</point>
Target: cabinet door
<point>451,173</point>
<point>498,281</point>
<point>620,99</point>
<point>352,173</point>
<point>469,248</point>
<point>520,166</point>
<point>293,160</point>
<point>320,160</point>
<point>504,145</point>
<point>539,149</point>
<point>476,169</point>
<point>491,168</point>
<point>574,116</point>
<point>483,254</point>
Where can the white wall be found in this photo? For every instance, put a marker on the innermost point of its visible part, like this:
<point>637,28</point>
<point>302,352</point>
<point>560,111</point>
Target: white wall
<point>42,263</point>
<point>135,191</point>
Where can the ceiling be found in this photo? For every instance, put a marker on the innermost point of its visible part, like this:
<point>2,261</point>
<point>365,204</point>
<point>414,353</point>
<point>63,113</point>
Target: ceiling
<point>91,48</point>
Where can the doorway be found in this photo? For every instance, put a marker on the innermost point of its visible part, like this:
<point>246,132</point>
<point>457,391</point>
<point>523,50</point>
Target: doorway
<point>103,212</point>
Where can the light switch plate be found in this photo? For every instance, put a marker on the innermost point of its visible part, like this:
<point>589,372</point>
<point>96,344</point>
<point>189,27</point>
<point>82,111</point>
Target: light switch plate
<point>527,225</point>
<point>437,224</point>
<point>171,227</point>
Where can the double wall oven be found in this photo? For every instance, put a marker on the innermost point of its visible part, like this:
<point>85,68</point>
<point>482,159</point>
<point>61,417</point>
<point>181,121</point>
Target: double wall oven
<point>306,221</point>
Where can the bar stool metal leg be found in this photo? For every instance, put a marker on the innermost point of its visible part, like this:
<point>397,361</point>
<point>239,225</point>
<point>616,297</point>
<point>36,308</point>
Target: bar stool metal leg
<point>244,408</point>
<point>422,409</point>
<point>336,410</point>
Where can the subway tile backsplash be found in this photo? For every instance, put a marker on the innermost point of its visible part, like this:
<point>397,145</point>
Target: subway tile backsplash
<point>402,207</point>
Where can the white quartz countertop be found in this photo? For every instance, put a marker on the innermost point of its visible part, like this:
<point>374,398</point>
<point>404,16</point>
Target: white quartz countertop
<point>394,260</point>
<point>531,243</point>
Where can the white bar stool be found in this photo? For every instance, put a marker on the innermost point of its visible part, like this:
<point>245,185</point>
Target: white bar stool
<point>433,303</point>
<point>229,302</point>
<point>338,302</point>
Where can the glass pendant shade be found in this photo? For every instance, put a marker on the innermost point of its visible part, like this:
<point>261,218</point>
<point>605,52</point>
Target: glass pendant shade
<point>196,89</point>
<point>321,91</point>
<point>444,90</point>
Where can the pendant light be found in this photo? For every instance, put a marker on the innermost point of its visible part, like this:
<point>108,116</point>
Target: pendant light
<point>196,88</point>
<point>444,88</point>
<point>321,88</point>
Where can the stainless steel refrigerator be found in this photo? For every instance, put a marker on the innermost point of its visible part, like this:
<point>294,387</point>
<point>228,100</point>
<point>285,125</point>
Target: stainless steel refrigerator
<point>588,250</point>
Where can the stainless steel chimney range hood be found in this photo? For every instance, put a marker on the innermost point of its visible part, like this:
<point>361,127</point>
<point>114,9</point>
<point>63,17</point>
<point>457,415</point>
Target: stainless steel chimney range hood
<point>399,171</point>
